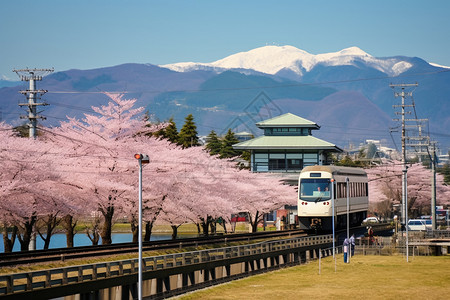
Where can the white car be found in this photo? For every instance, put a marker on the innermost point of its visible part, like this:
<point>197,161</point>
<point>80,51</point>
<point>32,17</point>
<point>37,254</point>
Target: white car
<point>370,220</point>
<point>419,224</point>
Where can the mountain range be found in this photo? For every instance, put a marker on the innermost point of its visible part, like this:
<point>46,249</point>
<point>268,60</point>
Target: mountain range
<point>347,93</point>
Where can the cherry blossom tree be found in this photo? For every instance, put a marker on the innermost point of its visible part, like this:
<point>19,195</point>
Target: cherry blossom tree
<point>385,188</point>
<point>86,167</point>
<point>261,193</point>
<point>104,144</point>
<point>218,188</point>
<point>26,175</point>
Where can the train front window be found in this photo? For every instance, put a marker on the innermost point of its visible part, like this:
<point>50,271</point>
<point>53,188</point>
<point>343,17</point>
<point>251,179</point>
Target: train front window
<point>315,189</point>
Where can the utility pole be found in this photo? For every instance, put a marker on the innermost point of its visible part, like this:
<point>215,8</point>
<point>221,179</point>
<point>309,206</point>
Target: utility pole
<point>403,94</point>
<point>32,94</point>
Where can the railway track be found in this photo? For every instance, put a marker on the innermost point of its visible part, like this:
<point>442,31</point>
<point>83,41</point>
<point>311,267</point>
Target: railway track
<point>63,254</point>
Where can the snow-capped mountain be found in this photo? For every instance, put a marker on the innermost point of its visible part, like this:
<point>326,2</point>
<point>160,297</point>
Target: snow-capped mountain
<point>274,59</point>
<point>341,91</point>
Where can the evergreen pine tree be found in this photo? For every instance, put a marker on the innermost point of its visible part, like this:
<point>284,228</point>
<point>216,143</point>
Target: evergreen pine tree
<point>227,150</point>
<point>170,132</point>
<point>214,145</point>
<point>188,134</point>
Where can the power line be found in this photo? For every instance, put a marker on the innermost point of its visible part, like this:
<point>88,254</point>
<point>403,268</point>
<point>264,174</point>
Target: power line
<point>257,87</point>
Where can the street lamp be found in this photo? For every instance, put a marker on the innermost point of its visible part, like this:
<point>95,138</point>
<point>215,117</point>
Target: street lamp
<point>142,159</point>
<point>347,180</point>
<point>333,199</point>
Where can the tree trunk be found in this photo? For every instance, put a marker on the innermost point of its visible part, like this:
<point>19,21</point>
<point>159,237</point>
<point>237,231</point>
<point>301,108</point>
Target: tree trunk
<point>255,222</point>
<point>106,231</point>
<point>205,225</point>
<point>51,222</point>
<point>212,225</point>
<point>25,238</point>
<point>148,230</point>
<point>149,224</point>
<point>174,231</point>
<point>69,228</point>
<point>95,233</point>
<point>199,229</point>
<point>134,229</point>
<point>224,225</point>
<point>8,242</point>
<point>95,236</point>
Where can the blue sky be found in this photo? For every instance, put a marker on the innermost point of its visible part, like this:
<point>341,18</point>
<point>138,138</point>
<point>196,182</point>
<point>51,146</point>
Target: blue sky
<point>97,33</point>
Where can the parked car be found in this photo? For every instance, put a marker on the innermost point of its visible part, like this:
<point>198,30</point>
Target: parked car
<point>370,220</point>
<point>419,224</point>
<point>428,224</point>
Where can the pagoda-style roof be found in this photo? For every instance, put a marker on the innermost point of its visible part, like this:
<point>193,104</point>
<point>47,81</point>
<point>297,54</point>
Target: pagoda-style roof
<point>287,120</point>
<point>286,142</point>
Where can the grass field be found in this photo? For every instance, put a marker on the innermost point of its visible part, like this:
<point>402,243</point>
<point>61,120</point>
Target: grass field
<point>366,277</point>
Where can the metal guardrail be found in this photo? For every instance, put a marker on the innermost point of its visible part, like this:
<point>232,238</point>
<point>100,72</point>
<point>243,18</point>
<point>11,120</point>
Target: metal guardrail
<point>60,277</point>
<point>58,254</point>
<point>430,234</point>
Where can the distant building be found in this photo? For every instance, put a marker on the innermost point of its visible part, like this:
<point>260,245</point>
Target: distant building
<point>443,159</point>
<point>381,151</point>
<point>243,136</point>
<point>287,145</point>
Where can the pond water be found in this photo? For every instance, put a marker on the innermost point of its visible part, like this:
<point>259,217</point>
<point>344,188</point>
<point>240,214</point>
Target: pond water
<point>59,240</point>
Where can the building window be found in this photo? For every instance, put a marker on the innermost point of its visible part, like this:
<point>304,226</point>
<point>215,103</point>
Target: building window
<point>277,161</point>
<point>295,164</point>
<point>277,164</point>
<point>286,131</point>
<point>261,162</point>
<point>282,161</point>
<point>310,159</point>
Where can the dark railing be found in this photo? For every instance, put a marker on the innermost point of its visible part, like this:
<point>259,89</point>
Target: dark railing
<point>124,272</point>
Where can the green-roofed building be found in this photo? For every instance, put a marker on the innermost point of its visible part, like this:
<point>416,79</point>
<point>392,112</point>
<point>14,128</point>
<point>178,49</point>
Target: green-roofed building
<point>287,145</point>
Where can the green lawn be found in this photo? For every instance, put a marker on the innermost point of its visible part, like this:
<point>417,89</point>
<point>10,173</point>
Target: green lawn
<point>366,277</point>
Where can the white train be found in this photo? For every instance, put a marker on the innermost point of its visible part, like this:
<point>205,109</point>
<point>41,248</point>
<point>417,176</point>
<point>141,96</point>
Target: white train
<point>319,186</point>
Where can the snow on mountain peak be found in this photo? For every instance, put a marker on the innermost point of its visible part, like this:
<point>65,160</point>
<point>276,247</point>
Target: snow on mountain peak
<point>267,59</point>
<point>272,59</point>
<point>353,51</point>
<point>439,66</point>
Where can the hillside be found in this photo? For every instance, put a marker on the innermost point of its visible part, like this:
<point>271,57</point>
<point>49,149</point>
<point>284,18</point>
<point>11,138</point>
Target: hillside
<point>346,92</point>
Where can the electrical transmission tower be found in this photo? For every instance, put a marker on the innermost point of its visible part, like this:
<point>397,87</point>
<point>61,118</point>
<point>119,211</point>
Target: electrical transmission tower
<point>32,94</point>
<point>433,184</point>
<point>417,140</point>
<point>405,110</point>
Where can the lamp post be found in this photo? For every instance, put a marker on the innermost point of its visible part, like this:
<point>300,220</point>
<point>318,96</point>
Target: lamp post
<point>347,180</point>
<point>142,159</point>
<point>333,199</point>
